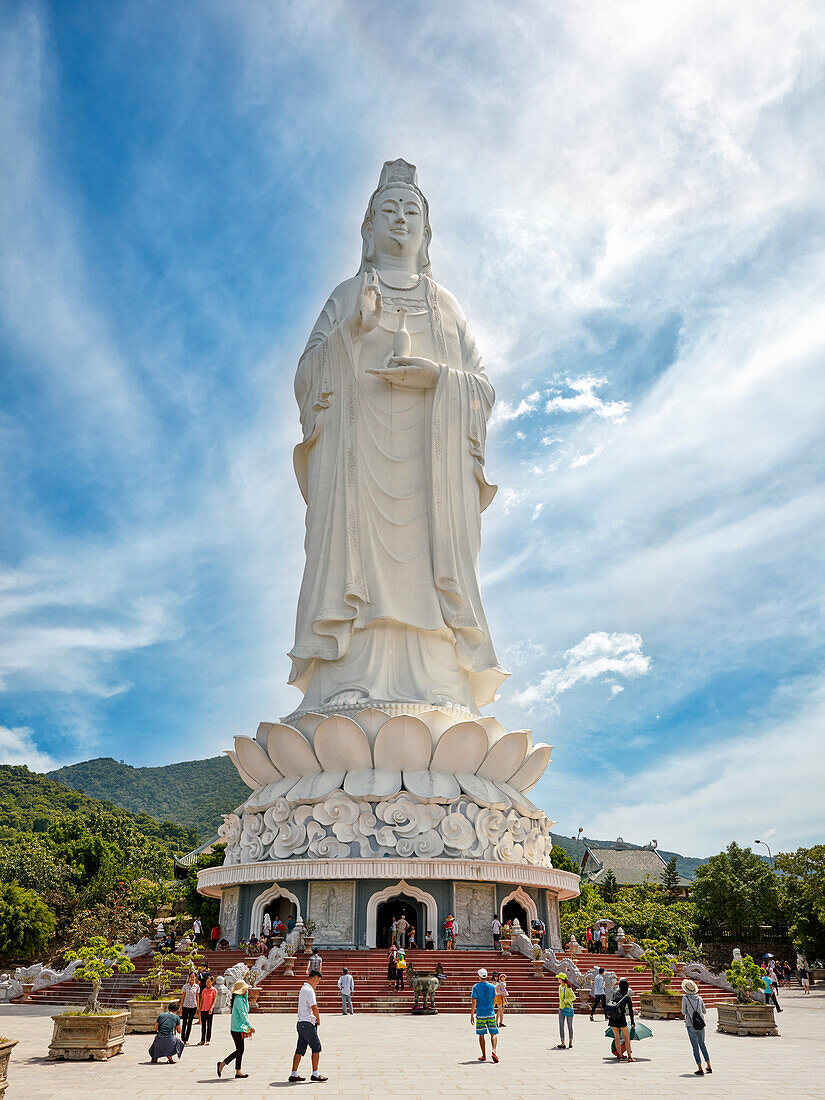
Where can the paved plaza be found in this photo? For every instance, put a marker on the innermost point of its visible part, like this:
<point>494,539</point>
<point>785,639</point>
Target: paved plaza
<point>402,1058</point>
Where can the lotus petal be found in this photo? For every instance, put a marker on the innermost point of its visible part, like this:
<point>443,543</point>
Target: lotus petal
<point>255,762</point>
<point>291,750</point>
<point>437,722</point>
<point>520,802</point>
<point>341,745</point>
<point>262,736</point>
<point>506,756</point>
<point>533,768</point>
<point>371,720</point>
<point>308,723</point>
<point>403,744</point>
<point>312,788</point>
<point>268,795</point>
<point>373,783</point>
<point>494,728</point>
<point>245,776</point>
<point>462,748</point>
<point>432,786</point>
<point>483,791</point>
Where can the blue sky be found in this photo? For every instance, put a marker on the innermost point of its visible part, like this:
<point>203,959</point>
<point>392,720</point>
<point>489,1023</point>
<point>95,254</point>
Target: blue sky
<point>627,201</point>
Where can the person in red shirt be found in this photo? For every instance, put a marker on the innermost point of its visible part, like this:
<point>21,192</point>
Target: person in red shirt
<point>206,1006</point>
<point>214,936</point>
<point>449,929</point>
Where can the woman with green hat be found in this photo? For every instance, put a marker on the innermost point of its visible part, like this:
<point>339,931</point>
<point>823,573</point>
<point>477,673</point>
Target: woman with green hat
<point>567,998</point>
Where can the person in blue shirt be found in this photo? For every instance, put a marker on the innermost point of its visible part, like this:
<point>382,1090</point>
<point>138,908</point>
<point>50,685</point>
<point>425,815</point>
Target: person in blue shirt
<point>483,1014</point>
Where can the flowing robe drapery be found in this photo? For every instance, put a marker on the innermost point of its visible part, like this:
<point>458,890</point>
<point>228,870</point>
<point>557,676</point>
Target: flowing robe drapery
<point>390,605</point>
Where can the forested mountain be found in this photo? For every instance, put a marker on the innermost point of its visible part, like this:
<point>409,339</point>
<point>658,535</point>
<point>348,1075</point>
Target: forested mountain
<point>30,803</point>
<point>194,793</point>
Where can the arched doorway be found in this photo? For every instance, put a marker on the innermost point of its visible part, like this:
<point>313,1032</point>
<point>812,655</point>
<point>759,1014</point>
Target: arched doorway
<point>281,908</point>
<point>398,906</point>
<point>515,910</point>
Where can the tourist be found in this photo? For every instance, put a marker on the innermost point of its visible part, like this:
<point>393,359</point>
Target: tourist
<point>411,936</point>
<point>694,1012</point>
<point>400,970</point>
<point>537,927</point>
<point>449,932</point>
<point>280,928</point>
<point>392,965</point>
<point>769,982</point>
<point>394,932</point>
<point>315,964</point>
<point>429,943</point>
<point>588,939</point>
<point>308,1020</point>
<point>567,998</point>
<point>496,930</point>
<point>401,926</point>
<point>617,1012</point>
<point>197,931</point>
<point>239,1028</point>
<point>204,973</point>
<point>603,939</point>
<point>223,944</point>
<point>167,1041</point>
<point>599,995</point>
<point>206,1006</point>
<point>290,924</point>
<point>482,1014</point>
<point>805,979</point>
<point>214,936</point>
<point>188,1007</point>
<point>346,985</point>
<point>501,1000</point>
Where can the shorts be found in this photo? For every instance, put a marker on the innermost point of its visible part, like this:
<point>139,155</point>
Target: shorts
<point>307,1037</point>
<point>485,1025</point>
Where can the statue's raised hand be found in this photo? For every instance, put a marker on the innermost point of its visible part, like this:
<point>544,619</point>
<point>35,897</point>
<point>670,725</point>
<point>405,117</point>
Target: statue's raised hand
<point>410,371</point>
<point>368,306</point>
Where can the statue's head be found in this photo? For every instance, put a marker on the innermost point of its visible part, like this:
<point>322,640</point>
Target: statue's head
<point>397,221</point>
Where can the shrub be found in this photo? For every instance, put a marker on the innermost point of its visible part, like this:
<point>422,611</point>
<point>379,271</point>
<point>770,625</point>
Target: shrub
<point>746,978</point>
<point>26,923</point>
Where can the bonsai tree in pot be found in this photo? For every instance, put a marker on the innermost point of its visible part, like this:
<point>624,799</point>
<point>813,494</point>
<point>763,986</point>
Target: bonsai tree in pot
<point>746,1016</point>
<point>94,1031</point>
<point>661,1003</point>
<point>167,972</point>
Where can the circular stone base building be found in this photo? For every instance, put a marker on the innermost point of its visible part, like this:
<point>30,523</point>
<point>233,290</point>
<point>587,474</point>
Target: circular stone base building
<point>356,819</point>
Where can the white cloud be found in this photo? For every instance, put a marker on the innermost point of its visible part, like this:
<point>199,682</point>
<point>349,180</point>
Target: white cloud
<point>597,655</point>
<point>17,746</point>
<point>504,410</point>
<point>585,399</point>
<point>585,460</point>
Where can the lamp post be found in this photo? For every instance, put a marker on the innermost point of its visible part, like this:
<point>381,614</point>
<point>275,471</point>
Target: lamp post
<point>578,840</point>
<point>766,845</point>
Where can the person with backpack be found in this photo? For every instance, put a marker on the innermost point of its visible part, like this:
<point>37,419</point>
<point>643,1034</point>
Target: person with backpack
<point>617,1012</point>
<point>694,1011</point>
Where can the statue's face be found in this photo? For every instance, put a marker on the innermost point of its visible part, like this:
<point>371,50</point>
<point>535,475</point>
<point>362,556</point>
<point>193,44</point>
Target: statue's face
<point>398,223</point>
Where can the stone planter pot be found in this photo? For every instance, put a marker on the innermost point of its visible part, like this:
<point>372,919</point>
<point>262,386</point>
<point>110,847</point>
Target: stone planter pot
<point>308,942</point>
<point>6,1047</point>
<point>817,974</point>
<point>143,1014</point>
<point>506,944</point>
<point>660,1006</point>
<point>252,996</point>
<point>289,968</point>
<point>538,969</point>
<point>755,1019</point>
<point>77,1038</point>
<point>26,999</point>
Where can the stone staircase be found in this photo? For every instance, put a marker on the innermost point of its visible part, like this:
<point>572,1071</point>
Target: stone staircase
<point>278,993</point>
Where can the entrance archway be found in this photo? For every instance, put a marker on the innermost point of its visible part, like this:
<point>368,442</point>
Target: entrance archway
<point>399,906</point>
<point>519,904</point>
<point>427,910</point>
<point>277,899</point>
<point>515,910</point>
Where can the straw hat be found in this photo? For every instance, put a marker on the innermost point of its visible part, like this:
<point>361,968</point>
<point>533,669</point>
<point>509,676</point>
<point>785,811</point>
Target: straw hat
<point>240,987</point>
<point>689,986</point>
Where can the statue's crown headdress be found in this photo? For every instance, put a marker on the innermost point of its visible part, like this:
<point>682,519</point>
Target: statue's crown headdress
<point>398,171</point>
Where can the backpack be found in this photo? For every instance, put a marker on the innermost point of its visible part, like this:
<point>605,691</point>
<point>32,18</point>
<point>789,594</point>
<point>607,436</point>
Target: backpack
<point>612,1011</point>
<point>697,1020</point>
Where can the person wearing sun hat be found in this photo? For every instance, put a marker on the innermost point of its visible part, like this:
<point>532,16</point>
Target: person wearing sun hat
<point>694,1011</point>
<point>239,1028</point>
<point>567,998</point>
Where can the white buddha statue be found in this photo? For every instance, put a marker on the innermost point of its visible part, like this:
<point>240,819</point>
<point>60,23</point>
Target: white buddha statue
<point>394,405</point>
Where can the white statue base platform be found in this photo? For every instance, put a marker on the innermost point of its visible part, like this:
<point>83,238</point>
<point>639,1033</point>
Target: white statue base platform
<point>347,811</point>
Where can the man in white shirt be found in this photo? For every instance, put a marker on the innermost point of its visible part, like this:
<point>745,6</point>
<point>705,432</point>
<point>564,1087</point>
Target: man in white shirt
<point>401,932</point>
<point>346,984</point>
<point>496,926</point>
<point>197,930</point>
<point>308,1020</point>
<point>599,997</point>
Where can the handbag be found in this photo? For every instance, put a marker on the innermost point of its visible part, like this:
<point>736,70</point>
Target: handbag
<point>567,1011</point>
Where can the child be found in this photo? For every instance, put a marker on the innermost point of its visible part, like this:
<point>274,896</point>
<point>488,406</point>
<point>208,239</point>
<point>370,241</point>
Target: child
<point>501,999</point>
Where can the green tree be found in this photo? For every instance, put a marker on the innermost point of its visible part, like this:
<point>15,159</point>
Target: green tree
<point>562,861</point>
<point>198,905</point>
<point>802,897</point>
<point>671,877</point>
<point>736,890</point>
<point>26,924</point>
<point>641,911</point>
<point>99,960</point>
<point>609,887</point>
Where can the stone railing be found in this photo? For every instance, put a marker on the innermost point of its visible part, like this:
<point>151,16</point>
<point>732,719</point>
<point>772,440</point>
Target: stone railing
<point>41,976</point>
